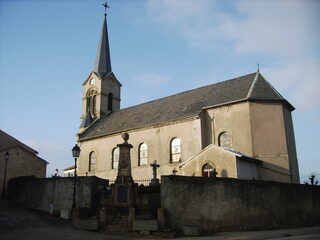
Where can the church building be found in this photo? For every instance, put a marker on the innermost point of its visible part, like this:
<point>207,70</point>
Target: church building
<point>239,128</point>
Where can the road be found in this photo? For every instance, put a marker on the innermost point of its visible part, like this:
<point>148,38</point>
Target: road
<point>18,223</point>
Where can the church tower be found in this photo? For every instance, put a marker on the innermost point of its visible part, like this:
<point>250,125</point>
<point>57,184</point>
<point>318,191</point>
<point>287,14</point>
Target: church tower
<point>101,89</point>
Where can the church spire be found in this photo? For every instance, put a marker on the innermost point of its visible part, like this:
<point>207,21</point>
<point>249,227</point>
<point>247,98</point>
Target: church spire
<point>103,62</point>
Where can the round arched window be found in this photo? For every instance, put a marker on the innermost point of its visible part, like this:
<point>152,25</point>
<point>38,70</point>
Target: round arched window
<point>175,149</point>
<point>115,158</point>
<point>92,161</point>
<point>91,101</point>
<point>208,170</point>
<point>143,154</point>
<point>225,140</point>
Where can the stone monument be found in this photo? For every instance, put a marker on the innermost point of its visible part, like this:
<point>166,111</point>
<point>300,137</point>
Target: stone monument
<point>124,187</point>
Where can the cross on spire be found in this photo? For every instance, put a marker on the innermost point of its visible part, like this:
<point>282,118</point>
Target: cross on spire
<point>103,62</point>
<point>105,8</point>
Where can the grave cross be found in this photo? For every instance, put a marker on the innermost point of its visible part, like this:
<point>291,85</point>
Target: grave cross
<point>154,166</point>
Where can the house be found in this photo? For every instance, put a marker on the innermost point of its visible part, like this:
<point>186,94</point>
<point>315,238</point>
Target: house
<point>22,160</point>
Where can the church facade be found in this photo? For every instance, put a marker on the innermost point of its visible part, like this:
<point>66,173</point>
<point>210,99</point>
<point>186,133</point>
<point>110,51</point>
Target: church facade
<point>239,128</point>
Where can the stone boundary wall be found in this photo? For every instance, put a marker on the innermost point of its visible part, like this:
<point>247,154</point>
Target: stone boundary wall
<point>225,204</point>
<point>55,194</point>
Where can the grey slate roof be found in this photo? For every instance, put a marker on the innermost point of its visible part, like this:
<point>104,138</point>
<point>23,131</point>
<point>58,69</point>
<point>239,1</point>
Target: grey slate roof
<point>103,63</point>
<point>183,105</point>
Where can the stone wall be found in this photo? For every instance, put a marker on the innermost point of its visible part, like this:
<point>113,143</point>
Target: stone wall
<point>45,193</point>
<point>222,204</point>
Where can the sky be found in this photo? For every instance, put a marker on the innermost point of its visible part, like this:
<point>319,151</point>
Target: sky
<point>158,48</point>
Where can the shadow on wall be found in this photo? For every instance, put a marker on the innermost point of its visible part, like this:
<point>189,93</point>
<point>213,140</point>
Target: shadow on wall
<point>224,173</point>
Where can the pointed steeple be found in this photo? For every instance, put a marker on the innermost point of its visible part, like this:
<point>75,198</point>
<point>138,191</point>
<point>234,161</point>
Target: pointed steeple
<point>103,62</point>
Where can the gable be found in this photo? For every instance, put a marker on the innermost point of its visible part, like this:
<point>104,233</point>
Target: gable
<point>109,75</point>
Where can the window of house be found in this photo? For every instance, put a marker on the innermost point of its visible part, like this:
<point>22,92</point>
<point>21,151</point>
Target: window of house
<point>207,170</point>
<point>175,150</point>
<point>115,158</point>
<point>110,100</point>
<point>225,140</point>
<point>92,161</point>
<point>143,154</point>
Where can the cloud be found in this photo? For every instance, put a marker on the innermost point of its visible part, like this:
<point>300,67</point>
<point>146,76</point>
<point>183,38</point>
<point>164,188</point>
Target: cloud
<point>43,148</point>
<point>280,28</point>
<point>190,19</point>
<point>299,81</point>
<point>151,79</point>
<point>58,156</point>
<point>142,84</point>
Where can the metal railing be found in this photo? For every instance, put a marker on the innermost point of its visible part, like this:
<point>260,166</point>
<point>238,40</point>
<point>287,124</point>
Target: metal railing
<point>145,182</point>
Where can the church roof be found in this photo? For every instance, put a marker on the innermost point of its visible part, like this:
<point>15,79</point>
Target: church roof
<point>103,63</point>
<point>184,105</point>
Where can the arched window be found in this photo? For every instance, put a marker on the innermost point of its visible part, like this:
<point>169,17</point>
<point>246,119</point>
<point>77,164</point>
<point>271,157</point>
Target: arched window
<point>91,101</point>
<point>115,158</point>
<point>110,100</point>
<point>175,150</point>
<point>208,171</point>
<point>143,154</point>
<point>92,161</point>
<point>225,140</point>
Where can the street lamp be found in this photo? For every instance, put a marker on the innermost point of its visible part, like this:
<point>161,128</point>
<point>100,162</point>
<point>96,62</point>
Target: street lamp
<point>75,153</point>
<point>6,157</point>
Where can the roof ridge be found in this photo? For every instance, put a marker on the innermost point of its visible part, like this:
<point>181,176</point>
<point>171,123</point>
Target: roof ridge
<point>253,83</point>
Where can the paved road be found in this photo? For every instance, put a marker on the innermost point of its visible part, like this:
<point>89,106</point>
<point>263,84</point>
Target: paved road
<point>17,223</point>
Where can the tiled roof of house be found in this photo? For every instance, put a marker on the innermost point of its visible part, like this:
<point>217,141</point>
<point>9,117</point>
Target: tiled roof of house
<point>184,105</point>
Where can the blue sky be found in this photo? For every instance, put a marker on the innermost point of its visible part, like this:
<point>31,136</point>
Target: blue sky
<point>158,48</point>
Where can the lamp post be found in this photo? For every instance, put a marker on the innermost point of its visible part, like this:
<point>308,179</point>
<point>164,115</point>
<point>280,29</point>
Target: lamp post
<point>6,157</point>
<point>75,153</point>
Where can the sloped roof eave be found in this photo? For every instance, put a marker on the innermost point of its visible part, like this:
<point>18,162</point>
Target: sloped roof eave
<point>136,128</point>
